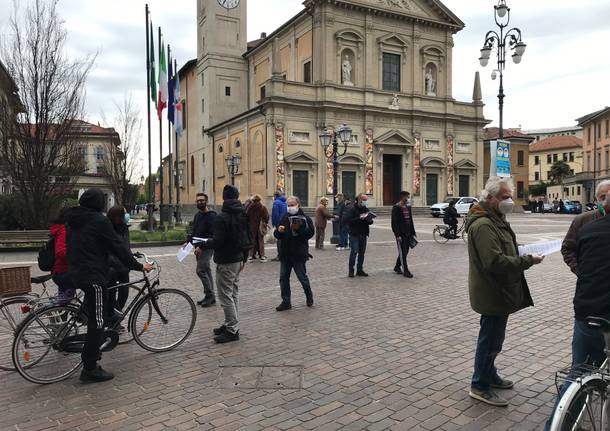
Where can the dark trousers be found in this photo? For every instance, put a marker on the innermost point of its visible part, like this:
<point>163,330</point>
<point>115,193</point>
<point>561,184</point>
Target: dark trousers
<point>117,298</point>
<point>320,232</point>
<point>357,245</point>
<point>587,348</point>
<point>343,235</point>
<point>403,245</point>
<point>300,269</point>
<point>65,287</point>
<point>95,306</point>
<point>453,227</point>
<point>489,345</point>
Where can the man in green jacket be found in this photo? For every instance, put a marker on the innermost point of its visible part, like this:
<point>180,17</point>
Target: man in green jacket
<point>496,283</point>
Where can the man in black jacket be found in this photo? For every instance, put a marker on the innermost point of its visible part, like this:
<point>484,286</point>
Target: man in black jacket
<point>592,296</point>
<point>90,240</point>
<point>358,222</point>
<point>294,232</point>
<point>451,219</point>
<point>229,228</point>
<point>404,230</point>
<point>203,227</point>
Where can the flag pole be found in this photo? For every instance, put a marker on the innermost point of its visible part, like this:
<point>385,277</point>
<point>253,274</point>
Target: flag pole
<point>150,180</point>
<point>160,115</point>
<point>169,141</point>
<point>177,179</point>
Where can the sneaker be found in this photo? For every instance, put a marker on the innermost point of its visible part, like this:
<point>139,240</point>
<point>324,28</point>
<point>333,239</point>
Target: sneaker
<point>264,259</point>
<point>283,307</point>
<point>220,330</point>
<point>250,259</point>
<point>351,274</point>
<point>226,337</point>
<point>339,248</point>
<point>397,270</point>
<point>208,302</point>
<point>96,375</point>
<point>361,273</point>
<point>501,383</point>
<point>201,301</point>
<point>310,301</point>
<point>408,274</point>
<point>488,397</point>
<point>275,259</point>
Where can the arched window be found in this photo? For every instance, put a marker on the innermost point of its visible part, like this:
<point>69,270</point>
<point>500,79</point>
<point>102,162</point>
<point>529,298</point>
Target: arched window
<point>237,144</point>
<point>192,170</point>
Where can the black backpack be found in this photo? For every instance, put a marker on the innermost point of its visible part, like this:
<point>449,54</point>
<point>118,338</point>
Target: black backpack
<point>46,255</point>
<point>240,228</point>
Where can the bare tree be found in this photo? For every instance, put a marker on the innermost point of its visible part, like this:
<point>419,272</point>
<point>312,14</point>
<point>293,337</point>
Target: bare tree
<point>122,163</point>
<point>40,148</point>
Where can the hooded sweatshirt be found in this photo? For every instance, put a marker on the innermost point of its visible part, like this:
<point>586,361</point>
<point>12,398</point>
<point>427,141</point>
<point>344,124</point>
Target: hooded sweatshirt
<point>91,239</point>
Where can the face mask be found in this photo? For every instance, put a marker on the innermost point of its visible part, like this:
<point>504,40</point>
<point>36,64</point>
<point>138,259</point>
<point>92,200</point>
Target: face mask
<point>506,206</point>
<point>293,210</point>
<point>201,206</point>
<point>601,209</point>
<point>409,202</point>
<point>126,218</point>
<point>365,204</point>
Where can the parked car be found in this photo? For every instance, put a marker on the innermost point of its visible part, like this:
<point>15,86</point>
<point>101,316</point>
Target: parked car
<point>572,207</point>
<point>590,207</point>
<point>462,205</point>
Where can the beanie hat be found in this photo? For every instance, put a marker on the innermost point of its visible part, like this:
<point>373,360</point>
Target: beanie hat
<point>230,192</point>
<point>93,199</point>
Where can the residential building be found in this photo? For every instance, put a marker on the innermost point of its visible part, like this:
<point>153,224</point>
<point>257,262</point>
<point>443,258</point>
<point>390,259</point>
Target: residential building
<point>382,67</point>
<point>519,159</point>
<point>547,151</point>
<point>9,106</point>
<point>540,134</point>
<point>596,150</point>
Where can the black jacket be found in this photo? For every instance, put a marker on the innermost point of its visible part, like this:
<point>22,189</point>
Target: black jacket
<point>352,219</point>
<point>295,244</point>
<point>91,239</point>
<point>451,216</point>
<point>592,297</point>
<point>224,242</point>
<point>399,227</point>
<point>122,230</point>
<point>339,210</point>
<point>203,226</point>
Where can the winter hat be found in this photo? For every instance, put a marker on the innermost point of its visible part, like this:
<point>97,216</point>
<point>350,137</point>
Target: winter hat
<point>230,192</point>
<point>93,199</point>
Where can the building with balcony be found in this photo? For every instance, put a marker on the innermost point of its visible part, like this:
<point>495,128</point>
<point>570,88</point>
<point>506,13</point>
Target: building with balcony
<point>382,67</point>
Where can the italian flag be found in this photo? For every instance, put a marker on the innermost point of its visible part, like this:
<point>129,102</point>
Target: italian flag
<point>162,99</point>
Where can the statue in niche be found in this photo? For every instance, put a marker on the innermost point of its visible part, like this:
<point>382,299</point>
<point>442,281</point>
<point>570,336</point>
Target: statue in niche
<point>395,103</point>
<point>346,71</point>
<point>430,83</point>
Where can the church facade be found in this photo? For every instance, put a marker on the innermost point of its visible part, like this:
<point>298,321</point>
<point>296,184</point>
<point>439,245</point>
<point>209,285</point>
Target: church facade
<point>381,67</point>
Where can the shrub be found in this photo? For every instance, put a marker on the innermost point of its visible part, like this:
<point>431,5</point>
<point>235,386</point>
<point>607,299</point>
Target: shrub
<point>10,213</point>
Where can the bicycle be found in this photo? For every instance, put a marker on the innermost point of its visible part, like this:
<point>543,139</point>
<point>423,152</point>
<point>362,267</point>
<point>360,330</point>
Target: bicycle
<point>47,344</point>
<point>585,403</point>
<point>442,236</point>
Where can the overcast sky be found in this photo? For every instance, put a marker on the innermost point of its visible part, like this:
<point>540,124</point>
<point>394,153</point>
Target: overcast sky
<point>564,73</point>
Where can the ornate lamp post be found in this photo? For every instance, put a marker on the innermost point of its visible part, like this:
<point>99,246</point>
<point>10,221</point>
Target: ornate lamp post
<point>502,41</point>
<point>330,142</point>
<point>233,163</point>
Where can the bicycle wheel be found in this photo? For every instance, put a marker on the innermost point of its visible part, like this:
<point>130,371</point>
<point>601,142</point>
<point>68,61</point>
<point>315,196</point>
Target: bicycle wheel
<point>39,348</point>
<point>440,234</point>
<point>11,315</point>
<point>172,320</point>
<point>126,335</point>
<point>584,406</point>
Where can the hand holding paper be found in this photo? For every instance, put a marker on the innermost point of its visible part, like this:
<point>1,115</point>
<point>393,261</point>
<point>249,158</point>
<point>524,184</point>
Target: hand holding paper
<point>541,248</point>
<point>184,251</point>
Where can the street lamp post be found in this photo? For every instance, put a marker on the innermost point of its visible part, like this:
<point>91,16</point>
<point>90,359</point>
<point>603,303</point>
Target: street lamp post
<point>330,142</point>
<point>510,39</point>
<point>233,163</point>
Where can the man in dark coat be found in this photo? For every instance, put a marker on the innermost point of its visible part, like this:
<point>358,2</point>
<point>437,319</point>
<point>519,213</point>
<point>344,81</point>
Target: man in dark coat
<point>357,218</point>
<point>294,232</point>
<point>404,230</point>
<point>90,240</point>
<point>203,227</point>
<point>451,219</point>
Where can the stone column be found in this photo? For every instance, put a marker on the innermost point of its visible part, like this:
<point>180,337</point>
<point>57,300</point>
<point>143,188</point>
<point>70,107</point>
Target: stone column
<point>416,166</point>
<point>368,162</point>
<point>280,166</point>
<point>450,180</point>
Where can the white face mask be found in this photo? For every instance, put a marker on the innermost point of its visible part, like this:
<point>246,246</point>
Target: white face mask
<point>365,204</point>
<point>506,206</point>
<point>293,210</point>
<point>409,202</point>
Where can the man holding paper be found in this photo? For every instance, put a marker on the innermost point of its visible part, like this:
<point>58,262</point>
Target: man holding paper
<point>496,283</point>
<point>203,227</point>
<point>358,218</point>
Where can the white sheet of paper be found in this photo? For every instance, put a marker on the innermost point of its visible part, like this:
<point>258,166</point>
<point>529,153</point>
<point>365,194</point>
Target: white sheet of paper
<point>540,248</point>
<point>184,252</point>
<point>197,240</point>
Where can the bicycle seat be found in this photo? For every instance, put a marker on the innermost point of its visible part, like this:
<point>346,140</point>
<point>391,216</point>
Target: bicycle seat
<point>598,322</point>
<point>41,279</point>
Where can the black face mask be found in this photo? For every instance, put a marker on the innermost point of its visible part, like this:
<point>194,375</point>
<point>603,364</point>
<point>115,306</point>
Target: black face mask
<point>201,206</point>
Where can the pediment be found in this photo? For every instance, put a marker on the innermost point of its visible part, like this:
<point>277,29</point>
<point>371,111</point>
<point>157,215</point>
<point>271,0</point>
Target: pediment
<point>350,35</point>
<point>433,162</point>
<point>351,159</point>
<point>392,39</point>
<point>300,157</point>
<point>465,164</point>
<point>394,137</point>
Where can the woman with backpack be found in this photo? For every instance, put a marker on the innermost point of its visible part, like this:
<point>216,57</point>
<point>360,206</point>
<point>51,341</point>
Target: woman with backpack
<point>65,286</point>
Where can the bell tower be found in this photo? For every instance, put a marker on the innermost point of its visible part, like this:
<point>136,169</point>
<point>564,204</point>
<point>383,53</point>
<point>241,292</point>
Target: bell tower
<point>222,71</point>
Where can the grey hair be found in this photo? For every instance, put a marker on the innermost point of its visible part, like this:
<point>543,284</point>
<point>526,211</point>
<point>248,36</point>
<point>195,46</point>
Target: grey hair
<point>605,183</point>
<point>493,186</point>
<point>294,198</point>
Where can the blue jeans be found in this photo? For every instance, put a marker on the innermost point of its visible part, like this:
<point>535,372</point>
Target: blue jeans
<point>286,267</point>
<point>489,345</point>
<point>357,245</point>
<point>343,235</point>
<point>587,348</point>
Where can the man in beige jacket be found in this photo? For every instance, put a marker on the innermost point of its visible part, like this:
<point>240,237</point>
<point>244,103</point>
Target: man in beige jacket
<point>568,248</point>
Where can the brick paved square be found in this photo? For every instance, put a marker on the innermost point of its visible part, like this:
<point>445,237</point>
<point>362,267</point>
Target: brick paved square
<point>382,352</point>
